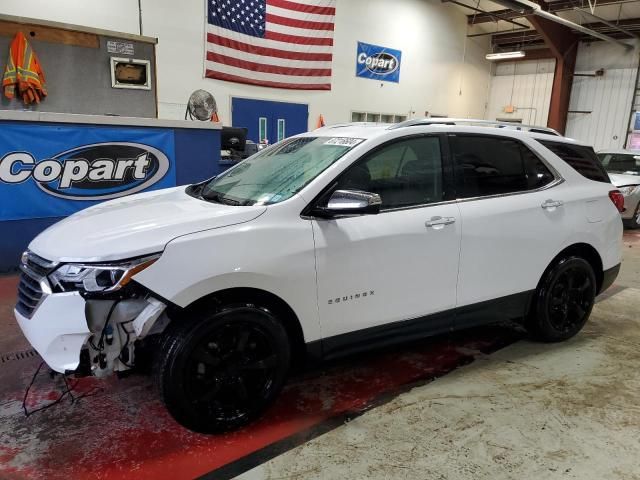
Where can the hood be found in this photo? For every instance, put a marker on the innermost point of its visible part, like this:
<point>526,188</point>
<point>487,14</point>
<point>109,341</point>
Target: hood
<point>135,225</point>
<point>622,179</point>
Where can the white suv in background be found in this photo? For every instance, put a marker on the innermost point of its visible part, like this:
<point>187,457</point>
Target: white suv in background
<point>331,242</point>
<point>623,167</point>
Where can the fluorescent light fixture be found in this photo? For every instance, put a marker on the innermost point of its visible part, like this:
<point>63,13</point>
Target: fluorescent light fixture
<point>504,55</point>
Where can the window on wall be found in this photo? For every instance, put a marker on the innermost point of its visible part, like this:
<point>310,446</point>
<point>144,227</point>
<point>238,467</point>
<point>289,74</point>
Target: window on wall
<point>488,165</point>
<point>262,129</point>
<point>377,117</point>
<point>405,173</point>
<point>281,129</point>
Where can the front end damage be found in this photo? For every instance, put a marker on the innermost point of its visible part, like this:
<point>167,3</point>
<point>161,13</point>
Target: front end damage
<point>91,337</point>
<point>116,328</point>
<point>86,333</point>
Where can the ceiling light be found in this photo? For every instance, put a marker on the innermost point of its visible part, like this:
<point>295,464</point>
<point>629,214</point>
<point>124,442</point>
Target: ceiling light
<point>504,55</point>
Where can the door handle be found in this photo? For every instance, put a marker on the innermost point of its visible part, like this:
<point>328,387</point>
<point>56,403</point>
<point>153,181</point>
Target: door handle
<point>439,222</point>
<point>552,204</point>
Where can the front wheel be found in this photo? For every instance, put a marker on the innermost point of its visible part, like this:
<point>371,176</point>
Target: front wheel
<point>563,301</point>
<point>217,372</point>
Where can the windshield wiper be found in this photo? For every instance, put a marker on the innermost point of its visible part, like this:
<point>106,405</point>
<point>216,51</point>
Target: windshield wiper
<point>219,198</point>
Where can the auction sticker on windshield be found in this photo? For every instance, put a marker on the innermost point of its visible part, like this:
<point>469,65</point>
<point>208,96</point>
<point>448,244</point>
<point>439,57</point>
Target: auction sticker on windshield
<point>344,141</point>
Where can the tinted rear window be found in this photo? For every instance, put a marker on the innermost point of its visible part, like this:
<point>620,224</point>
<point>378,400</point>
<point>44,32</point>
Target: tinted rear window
<point>583,159</point>
<point>489,165</point>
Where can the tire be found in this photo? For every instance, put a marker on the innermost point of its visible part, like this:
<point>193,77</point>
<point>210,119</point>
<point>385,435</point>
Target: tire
<point>219,371</point>
<point>563,301</point>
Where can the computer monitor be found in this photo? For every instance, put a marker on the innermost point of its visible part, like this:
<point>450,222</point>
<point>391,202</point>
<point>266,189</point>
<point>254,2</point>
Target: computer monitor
<point>234,138</point>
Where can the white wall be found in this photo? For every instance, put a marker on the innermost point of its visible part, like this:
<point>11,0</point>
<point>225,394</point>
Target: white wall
<point>526,85</point>
<point>431,36</point>
<point>608,97</point>
<point>118,15</point>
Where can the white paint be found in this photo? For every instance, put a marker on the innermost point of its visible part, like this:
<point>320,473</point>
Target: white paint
<point>140,224</point>
<point>116,15</point>
<point>209,247</point>
<point>527,86</point>
<point>608,97</point>
<point>401,283</point>
<point>431,36</point>
<point>57,329</point>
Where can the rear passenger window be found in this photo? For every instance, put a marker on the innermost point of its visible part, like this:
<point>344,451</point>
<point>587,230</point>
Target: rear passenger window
<point>405,173</point>
<point>583,159</point>
<point>492,166</point>
<point>538,175</point>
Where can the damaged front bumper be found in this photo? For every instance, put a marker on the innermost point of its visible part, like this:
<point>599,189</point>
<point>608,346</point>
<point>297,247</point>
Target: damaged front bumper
<point>57,330</point>
<point>65,327</point>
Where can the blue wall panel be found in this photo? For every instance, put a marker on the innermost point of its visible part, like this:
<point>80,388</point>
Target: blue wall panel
<point>15,235</point>
<point>197,155</point>
<point>247,112</point>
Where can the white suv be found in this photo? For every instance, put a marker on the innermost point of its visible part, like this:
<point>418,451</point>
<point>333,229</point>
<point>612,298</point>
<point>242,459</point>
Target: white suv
<point>331,242</point>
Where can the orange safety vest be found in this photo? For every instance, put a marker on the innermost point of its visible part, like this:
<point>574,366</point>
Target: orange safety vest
<point>23,74</point>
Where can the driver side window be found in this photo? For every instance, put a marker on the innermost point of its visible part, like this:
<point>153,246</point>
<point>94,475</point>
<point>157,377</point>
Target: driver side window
<point>405,173</point>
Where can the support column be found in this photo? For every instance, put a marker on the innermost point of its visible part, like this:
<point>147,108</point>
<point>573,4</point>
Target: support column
<point>563,43</point>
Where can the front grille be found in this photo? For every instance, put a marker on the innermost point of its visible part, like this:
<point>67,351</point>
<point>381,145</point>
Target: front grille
<point>33,282</point>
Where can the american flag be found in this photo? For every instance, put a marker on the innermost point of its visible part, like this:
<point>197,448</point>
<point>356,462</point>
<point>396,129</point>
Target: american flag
<point>273,43</point>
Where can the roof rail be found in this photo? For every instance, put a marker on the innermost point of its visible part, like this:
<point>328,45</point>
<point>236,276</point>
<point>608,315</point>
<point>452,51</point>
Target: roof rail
<point>473,122</point>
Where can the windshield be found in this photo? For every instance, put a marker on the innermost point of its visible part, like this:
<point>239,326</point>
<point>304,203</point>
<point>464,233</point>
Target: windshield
<point>277,173</point>
<point>628,163</point>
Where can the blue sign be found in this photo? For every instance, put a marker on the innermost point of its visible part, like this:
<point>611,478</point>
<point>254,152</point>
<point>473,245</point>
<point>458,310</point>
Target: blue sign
<point>378,63</point>
<point>636,123</point>
<point>56,170</point>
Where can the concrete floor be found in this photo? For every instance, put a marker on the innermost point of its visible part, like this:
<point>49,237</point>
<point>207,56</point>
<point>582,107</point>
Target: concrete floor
<point>520,410</point>
<point>529,410</point>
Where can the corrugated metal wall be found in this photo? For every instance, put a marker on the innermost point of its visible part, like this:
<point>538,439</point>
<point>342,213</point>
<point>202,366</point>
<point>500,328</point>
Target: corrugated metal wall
<point>608,98</point>
<point>527,86</point>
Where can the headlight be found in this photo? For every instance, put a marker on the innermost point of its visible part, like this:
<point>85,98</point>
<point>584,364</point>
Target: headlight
<point>97,277</point>
<point>629,190</point>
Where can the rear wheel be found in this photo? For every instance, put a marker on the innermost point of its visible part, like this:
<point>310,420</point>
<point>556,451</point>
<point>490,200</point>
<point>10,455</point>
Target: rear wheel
<point>220,371</point>
<point>563,301</point>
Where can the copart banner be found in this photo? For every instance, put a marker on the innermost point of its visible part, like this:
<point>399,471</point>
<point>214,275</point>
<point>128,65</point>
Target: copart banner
<point>56,170</point>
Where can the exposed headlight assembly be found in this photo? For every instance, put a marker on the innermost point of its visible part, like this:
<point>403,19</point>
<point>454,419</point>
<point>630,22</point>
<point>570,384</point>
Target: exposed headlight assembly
<point>90,277</point>
<point>629,190</point>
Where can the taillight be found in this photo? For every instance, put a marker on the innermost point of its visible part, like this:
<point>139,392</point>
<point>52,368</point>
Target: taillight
<point>618,199</point>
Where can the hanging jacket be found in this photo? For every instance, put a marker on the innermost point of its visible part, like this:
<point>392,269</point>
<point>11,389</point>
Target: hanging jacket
<point>23,74</point>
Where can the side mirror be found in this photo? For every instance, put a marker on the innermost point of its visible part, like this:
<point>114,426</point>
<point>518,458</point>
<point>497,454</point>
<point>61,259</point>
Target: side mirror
<point>350,202</point>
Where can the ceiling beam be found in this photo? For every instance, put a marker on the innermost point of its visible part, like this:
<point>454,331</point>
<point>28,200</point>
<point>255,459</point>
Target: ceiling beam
<point>533,38</point>
<point>559,6</point>
<point>598,19</point>
<point>488,17</point>
<point>477,10</point>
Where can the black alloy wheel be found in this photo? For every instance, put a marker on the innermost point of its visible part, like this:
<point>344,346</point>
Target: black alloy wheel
<point>564,300</point>
<point>222,370</point>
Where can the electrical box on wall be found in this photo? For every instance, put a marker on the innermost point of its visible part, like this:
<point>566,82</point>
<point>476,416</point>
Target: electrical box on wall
<point>130,73</point>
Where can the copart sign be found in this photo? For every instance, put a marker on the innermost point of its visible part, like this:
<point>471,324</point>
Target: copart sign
<point>60,170</point>
<point>378,63</point>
